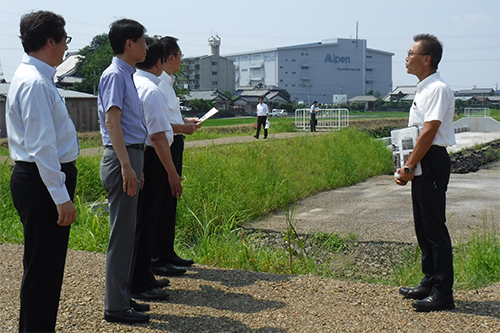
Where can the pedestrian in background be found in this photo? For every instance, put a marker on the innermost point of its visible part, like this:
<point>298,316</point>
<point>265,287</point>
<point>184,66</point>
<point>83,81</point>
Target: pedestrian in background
<point>262,117</point>
<point>314,112</point>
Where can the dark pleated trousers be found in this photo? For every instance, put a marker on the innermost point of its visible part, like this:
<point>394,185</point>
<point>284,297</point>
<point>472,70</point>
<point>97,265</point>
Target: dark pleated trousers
<point>45,246</point>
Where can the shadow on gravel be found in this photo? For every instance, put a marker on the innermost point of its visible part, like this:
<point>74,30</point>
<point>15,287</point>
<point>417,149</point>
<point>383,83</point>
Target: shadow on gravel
<point>210,297</point>
<point>178,324</point>
<point>233,278</point>
<point>487,308</point>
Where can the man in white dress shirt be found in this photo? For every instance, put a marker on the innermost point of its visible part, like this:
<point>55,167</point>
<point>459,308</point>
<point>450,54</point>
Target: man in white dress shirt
<point>44,144</point>
<point>432,111</point>
<point>165,261</point>
<point>158,169</point>
<point>262,117</point>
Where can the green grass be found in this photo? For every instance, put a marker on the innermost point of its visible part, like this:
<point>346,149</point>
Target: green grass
<point>228,186</point>
<point>476,263</point>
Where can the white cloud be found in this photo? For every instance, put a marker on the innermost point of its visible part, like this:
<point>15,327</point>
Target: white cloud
<point>477,17</point>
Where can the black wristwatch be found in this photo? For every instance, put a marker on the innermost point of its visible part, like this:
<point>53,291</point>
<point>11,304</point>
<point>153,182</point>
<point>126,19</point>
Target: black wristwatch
<point>407,170</point>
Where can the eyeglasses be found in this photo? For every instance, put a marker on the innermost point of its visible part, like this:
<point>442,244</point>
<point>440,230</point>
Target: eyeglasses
<point>411,53</point>
<point>68,39</point>
<point>177,54</point>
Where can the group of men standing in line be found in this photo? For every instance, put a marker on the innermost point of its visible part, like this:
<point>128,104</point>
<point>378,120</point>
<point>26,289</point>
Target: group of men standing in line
<point>143,132</point>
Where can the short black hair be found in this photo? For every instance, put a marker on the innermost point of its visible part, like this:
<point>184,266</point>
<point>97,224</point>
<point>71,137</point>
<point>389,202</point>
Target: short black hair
<point>171,46</point>
<point>122,30</point>
<point>37,27</point>
<point>156,50</point>
<point>315,102</point>
<point>430,46</point>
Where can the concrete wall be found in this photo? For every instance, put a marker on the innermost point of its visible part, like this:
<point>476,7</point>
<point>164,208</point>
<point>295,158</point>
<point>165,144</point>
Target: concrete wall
<point>476,124</point>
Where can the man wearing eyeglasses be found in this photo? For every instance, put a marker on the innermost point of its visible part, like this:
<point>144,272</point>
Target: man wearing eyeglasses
<point>432,111</point>
<point>165,261</point>
<point>44,144</point>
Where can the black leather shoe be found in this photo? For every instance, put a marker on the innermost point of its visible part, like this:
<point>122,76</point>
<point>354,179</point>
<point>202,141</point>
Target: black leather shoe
<point>419,292</point>
<point>161,283</point>
<point>129,316</point>
<point>168,270</point>
<point>178,261</point>
<point>154,294</point>
<point>140,307</point>
<point>434,302</point>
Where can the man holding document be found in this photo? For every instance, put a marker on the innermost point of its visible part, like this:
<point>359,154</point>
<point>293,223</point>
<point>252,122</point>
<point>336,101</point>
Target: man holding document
<point>432,111</point>
<point>164,260</point>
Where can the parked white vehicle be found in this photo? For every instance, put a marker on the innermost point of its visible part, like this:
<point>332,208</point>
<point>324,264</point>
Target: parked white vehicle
<point>278,113</point>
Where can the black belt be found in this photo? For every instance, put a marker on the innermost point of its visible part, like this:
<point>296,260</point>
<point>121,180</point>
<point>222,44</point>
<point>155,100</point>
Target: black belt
<point>139,146</point>
<point>68,163</point>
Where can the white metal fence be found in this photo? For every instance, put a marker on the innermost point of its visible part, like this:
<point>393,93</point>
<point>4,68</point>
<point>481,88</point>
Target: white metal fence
<point>327,119</point>
<point>477,112</point>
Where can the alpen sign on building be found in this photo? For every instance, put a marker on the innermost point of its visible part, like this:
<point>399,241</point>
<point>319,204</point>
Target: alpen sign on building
<point>336,59</point>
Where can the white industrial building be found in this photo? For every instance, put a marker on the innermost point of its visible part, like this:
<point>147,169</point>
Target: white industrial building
<point>317,71</point>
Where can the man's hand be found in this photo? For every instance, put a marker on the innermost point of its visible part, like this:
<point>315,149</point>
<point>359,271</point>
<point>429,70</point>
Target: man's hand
<point>175,184</point>
<point>67,213</point>
<point>404,177</point>
<point>191,120</point>
<point>190,128</point>
<point>130,180</point>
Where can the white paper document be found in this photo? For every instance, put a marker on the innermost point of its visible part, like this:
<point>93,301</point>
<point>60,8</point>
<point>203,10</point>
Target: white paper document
<point>403,142</point>
<point>208,114</point>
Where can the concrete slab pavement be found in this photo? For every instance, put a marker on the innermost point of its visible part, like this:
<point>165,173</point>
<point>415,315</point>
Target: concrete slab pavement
<point>378,209</point>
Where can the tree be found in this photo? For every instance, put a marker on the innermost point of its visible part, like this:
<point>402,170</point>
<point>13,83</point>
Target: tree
<point>95,58</point>
<point>286,94</point>
<point>200,105</point>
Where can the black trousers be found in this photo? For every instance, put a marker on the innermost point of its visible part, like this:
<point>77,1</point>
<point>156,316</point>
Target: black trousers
<point>261,121</point>
<point>45,246</point>
<point>429,212</point>
<point>162,237</point>
<point>148,213</point>
<point>313,122</point>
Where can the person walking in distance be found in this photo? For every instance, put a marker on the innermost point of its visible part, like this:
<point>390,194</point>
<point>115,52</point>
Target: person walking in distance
<point>432,111</point>
<point>262,117</point>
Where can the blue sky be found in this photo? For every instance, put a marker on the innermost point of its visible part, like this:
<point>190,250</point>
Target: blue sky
<point>469,30</point>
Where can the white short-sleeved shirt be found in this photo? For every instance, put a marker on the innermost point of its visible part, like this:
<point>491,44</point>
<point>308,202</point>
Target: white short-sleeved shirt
<point>434,100</point>
<point>154,105</point>
<point>167,86</point>
<point>262,109</point>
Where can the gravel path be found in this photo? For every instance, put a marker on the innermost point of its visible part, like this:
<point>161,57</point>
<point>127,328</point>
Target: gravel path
<point>209,299</point>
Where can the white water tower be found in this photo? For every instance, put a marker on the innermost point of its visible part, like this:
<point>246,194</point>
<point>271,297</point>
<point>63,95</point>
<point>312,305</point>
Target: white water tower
<point>214,42</point>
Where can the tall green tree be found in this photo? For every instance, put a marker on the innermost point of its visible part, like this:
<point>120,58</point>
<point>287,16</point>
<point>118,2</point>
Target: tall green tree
<point>95,58</point>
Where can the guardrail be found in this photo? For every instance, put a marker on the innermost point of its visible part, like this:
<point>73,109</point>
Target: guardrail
<point>328,119</point>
